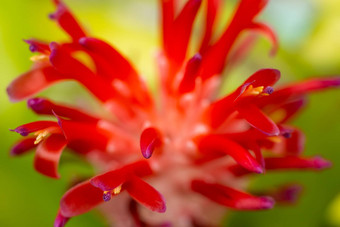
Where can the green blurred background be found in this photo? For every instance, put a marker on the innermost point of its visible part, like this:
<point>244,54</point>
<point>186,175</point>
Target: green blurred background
<point>309,32</point>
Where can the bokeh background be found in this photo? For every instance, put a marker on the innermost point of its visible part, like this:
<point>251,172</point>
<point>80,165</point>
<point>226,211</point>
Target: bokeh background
<point>309,32</point>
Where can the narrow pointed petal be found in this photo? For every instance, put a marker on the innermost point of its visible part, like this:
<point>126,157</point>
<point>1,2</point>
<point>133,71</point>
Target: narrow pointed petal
<point>38,46</point>
<point>32,82</point>
<point>264,77</point>
<point>112,179</point>
<point>218,145</point>
<point>295,91</point>
<point>60,220</point>
<point>289,110</point>
<point>294,162</point>
<point>150,140</point>
<point>64,63</point>
<point>211,13</point>
<point>145,194</point>
<point>45,106</point>
<point>258,119</point>
<point>215,57</point>
<point>26,129</point>
<point>23,146</point>
<point>67,21</point>
<point>286,163</point>
<point>48,154</point>
<point>168,13</point>
<point>176,48</point>
<point>267,31</point>
<point>80,199</point>
<point>190,74</point>
<point>230,197</point>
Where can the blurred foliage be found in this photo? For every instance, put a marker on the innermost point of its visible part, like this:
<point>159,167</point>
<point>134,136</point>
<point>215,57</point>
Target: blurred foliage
<point>308,32</point>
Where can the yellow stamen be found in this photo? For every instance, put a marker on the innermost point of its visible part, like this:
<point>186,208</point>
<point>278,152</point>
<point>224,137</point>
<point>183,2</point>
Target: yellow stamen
<point>39,57</point>
<point>253,90</point>
<point>275,139</point>
<point>40,136</point>
<point>117,190</point>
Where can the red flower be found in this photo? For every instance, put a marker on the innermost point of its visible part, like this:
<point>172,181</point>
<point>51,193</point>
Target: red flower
<point>193,148</point>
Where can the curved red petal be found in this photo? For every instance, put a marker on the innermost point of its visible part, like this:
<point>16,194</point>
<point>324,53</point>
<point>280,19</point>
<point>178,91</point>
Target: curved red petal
<point>267,31</point>
<point>217,144</point>
<point>80,199</point>
<point>145,194</point>
<point>26,129</point>
<point>48,154</point>
<point>67,21</point>
<point>23,146</point>
<point>258,119</point>
<point>150,139</point>
<point>230,197</point>
<point>32,82</point>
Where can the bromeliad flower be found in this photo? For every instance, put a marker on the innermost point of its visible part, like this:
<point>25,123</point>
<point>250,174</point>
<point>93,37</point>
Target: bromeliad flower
<point>178,157</point>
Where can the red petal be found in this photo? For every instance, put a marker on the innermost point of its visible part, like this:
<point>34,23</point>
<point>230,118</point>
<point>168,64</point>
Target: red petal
<point>62,60</point>
<point>67,21</point>
<point>167,19</point>
<point>264,77</point>
<point>294,162</point>
<point>44,106</point>
<point>230,197</point>
<point>211,12</point>
<point>112,179</point>
<point>88,132</point>
<point>26,129</point>
<point>80,199</point>
<point>177,45</point>
<point>289,162</point>
<point>214,59</point>
<point>38,46</point>
<point>48,154</point>
<point>191,72</point>
<point>23,146</point>
<point>33,82</point>
<point>145,194</point>
<point>258,119</point>
<point>266,30</point>
<point>150,140</point>
<point>216,144</point>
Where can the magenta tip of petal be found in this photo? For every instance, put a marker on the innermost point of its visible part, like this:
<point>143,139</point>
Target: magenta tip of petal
<point>60,221</point>
<point>321,163</point>
<point>82,40</point>
<point>20,130</point>
<point>35,103</point>
<point>267,202</point>
<point>258,170</point>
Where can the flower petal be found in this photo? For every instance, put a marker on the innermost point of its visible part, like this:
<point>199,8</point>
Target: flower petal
<point>143,193</point>
<point>149,141</point>
<point>218,145</point>
<point>38,46</point>
<point>80,199</point>
<point>266,30</point>
<point>67,21</point>
<point>48,154</point>
<point>258,119</point>
<point>26,129</point>
<point>45,106</point>
<point>187,83</point>
<point>33,82</point>
<point>112,179</point>
<point>23,146</point>
<point>230,197</point>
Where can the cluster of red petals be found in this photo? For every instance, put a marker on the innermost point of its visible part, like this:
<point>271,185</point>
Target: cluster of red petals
<point>247,125</point>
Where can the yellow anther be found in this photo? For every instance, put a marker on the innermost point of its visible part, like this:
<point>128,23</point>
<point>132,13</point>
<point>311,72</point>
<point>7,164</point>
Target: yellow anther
<point>117,190</point>
<point>252,91</point>
<point>275,139</point>
<point>39,57</point>
<point>40,136</point>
